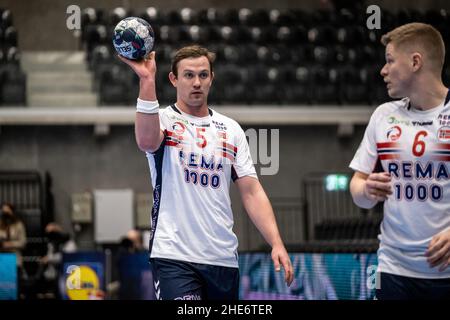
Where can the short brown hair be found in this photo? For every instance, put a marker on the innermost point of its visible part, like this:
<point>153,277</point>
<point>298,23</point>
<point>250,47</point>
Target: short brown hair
<point>194,51</point>
<point>421,36</point>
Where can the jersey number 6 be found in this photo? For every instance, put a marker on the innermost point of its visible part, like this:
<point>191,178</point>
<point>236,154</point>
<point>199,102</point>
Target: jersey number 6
<point>418,148</point>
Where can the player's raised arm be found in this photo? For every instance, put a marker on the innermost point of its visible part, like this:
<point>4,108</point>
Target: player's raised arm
<point>147,129</point>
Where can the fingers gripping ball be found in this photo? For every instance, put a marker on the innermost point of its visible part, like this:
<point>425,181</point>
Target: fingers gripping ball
<point>133,38</point>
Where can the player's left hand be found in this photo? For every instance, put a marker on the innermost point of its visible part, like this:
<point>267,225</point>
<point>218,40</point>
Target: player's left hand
<point>438,252</point>
<point>280,256</point>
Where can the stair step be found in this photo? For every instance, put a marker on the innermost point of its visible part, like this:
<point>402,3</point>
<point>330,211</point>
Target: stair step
<point>45,76</point>
<point>59,87</point>
<point>58,79</point>
<point>62,100</point>
<point>54,67</point>
<point>54,57</point>
<point>56,82</point>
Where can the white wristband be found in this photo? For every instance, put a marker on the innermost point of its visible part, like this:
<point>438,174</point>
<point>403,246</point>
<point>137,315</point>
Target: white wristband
<point>144,106</point>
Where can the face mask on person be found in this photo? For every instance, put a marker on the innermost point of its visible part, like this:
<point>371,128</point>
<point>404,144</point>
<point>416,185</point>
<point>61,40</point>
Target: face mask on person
<point>55,236</point>
<point>7,218</point>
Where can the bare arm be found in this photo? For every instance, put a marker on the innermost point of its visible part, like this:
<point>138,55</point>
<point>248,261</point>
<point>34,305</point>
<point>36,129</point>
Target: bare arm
<point>367,190</point>
<point>260,212</point>
<point>147,129</point>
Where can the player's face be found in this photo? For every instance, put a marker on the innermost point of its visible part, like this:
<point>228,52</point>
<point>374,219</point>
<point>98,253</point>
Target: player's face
<point>396,72</point>
<point>194,81</point>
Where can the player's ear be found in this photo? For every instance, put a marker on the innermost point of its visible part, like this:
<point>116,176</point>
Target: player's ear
<point>173,79</point>
<point>417,61</point>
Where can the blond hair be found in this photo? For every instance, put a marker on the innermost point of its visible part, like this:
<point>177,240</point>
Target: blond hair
<point>421,37</point>
<point>194,51</point>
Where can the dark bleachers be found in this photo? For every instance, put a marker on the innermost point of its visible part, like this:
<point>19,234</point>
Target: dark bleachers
<point>30,195</point>
<point>12,78</point>
<point>348,228</point>
<point>334,58</point>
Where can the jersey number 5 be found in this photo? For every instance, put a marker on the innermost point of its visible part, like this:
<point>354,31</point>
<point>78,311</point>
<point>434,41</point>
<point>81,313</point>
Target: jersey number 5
<point>418,148</point>
<point>202,142</point>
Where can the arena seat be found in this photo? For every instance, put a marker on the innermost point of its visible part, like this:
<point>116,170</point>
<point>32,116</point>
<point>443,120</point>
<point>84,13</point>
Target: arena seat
<point>6,19</point>
<point>230,17</point>
<point>297,86</point>
<point>283,18</point>
<point>153,16</point>
<point>232,84</point>
<point>188,16</point>
<point>199,35</point>
<point>118,14</point>
<point>324,85</point>
<point>173,17</point>
<point>95,35</point>
<point>10,36</point>
<point>244,15</point>
<point>100,54</point>
<point>13,80</point>
<point>208,16</point>
<point>114,87</point>
<point>89,16</point>
<point>354,85</point>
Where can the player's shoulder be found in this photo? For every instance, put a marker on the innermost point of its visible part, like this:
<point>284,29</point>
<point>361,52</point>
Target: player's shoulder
<point>170,114</point>
<point>166,110</point>
<point>222,120</point>
<point>390,107</point>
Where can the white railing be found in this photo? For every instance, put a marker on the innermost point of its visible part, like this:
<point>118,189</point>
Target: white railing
<point>245,115</point>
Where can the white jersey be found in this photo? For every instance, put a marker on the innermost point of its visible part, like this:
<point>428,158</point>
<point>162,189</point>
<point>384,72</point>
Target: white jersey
<point>191,172</point>
<point>414,147</point>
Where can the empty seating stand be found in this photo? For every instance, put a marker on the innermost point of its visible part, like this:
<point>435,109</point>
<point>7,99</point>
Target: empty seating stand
<point>360,228</point>
<point>332,222</point>
<point>283,57</point>
<point>12,77</point>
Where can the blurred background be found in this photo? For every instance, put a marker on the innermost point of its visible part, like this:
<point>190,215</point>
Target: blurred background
<point>70,167</point>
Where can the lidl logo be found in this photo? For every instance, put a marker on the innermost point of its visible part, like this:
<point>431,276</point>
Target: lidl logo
<point>83,283</point>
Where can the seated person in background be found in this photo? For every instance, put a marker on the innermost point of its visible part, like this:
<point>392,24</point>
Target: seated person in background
<point>13,237</point>
<point>132,242</point>
<point>59,242</point>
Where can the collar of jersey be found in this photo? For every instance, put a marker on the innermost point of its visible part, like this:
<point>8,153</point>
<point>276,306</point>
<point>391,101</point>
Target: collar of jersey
<point>191,117</point>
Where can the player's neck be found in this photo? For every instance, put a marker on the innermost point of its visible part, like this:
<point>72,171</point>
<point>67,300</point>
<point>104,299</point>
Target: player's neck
<point>195,111</point>
<point>428,95</point>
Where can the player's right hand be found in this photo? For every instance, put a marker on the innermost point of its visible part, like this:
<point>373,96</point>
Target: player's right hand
<point>145,68</point>
<point>378,186</point>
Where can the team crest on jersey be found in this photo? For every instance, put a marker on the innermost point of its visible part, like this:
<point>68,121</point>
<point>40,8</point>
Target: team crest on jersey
<point>178,128</point>
<point>444,134</point>
<point>394,133</point>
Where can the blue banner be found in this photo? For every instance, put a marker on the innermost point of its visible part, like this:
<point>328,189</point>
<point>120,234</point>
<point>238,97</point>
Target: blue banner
<point>329,276</point>
<point>8,276</point>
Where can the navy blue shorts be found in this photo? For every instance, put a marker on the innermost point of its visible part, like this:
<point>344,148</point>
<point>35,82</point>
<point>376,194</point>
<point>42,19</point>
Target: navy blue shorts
<point>181,280</point>
<point>395,287</point>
